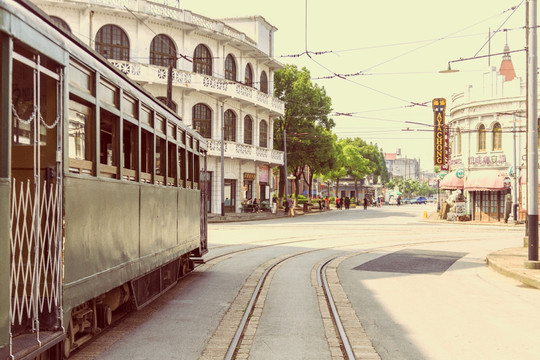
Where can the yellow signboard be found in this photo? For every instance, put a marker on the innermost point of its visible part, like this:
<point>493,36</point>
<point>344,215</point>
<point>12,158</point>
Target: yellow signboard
<point>439,107</point>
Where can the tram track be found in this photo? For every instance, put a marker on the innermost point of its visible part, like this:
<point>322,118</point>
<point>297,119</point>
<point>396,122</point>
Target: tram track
<point>254,291</point>
<point>346,337</point>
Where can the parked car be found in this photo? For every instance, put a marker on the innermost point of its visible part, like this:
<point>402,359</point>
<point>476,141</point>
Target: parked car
<point>419,200</point>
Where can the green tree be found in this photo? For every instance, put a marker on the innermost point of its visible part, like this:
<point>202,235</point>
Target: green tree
<point>306,118</point>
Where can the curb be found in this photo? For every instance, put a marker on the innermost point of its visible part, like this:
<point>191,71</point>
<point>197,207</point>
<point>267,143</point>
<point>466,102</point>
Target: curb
<point>510,262</point>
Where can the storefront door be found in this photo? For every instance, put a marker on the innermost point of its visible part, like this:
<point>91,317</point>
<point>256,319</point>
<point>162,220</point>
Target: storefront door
<point>230,195</point>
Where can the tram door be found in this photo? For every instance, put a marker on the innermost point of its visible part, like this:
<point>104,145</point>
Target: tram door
<point>36,207</point>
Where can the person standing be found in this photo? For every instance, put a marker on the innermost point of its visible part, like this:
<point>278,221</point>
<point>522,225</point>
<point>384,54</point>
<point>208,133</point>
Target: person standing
<point>326,203</point>
<point>291,206</point>
<point>347,202</point>
<point>365,203</point>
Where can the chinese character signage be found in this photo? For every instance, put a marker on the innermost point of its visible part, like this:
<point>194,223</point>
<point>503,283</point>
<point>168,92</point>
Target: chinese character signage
<point>440,143</point>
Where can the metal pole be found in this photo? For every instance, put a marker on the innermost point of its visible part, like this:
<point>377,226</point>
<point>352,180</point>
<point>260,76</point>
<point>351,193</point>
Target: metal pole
<point>223,163</point>
<point>514,199</point>
<point>532,135</point>
<point>285,159</point>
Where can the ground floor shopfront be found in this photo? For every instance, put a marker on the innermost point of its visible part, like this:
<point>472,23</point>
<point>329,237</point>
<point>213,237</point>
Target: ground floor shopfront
<point>488,194</point>
<point>244,181</point>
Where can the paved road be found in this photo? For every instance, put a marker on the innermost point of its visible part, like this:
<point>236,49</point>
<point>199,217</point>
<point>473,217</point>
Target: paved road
<point>421,290</point>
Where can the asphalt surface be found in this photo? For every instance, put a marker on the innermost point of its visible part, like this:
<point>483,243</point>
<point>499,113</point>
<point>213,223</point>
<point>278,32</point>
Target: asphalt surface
<point>509,262</point>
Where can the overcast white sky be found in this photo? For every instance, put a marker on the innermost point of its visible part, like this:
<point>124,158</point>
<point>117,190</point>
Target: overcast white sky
<point>399,45</point>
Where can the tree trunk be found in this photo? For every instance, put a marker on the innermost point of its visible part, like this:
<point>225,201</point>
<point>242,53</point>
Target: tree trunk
<point>282,179</point>
<point>337,188</point>
<point>356,191</point>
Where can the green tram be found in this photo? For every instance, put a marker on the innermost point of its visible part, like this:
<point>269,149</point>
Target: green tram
<point>102,191</point>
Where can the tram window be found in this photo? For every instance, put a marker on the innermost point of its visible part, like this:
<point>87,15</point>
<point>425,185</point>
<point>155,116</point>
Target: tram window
<point>196,172</point>
<point>130,150</point>
<point>160,160</point>
<point>171,130</point>
<point>23,104</point>
<point>190,170</point>
<point>171,166</point>
<point>146,116</point>
<point>181,166</point>
<point>81,77</point>
<point>108,93</point>
<point>80,138</point>
<point>160,123</point>
<point>108,142</point>
<point>147,155</point>
<point>129,106</point>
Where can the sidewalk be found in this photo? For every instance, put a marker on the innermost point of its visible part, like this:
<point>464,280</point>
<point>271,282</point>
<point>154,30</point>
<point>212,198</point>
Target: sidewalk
<point>261,215</point>
<point>509,262</point>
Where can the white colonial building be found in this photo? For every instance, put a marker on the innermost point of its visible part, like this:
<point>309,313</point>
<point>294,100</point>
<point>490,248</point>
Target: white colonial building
<point>487,129</point>
<point>222,73</point>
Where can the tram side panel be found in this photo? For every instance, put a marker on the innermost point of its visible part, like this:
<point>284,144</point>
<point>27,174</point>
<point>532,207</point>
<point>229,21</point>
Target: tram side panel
<point>102,237</point>
<point>158,227</point>
<point>189,219</point>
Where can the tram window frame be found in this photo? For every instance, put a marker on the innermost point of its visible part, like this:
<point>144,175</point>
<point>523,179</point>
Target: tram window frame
<point>196,171</point>
<point>181,166</point>
<point>159,122</point>
<point>172,179</point>
<point>129,106</point>
<point>130,151</point>
<point>108,93</point>
<point>147,156</point>
<point>160,160</point>
<point>108,140</point>
<point>83,163</point>
<point>81,77</point>
<point>146,115</point>
<point>190,170</point>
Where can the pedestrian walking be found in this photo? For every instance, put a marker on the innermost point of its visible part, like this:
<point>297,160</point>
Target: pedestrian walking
<point>327,203</point>
<point>347,203</point>
<point>337,203</point>
<point>365,203</point>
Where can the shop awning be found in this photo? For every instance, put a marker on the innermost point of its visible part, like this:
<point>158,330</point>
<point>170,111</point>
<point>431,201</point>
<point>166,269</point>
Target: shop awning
<point>487,180</point>
<point>451,182</point>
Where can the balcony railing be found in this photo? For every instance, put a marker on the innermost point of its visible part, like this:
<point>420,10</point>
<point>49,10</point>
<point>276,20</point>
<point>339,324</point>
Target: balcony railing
<point>244,151</point>
<point>200,82</point>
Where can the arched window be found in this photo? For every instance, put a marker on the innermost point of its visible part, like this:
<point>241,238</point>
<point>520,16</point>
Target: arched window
<point>497,137</point>
<point>112,42</point>
<point>263,134</point>
<point>230,68</point>
<point>61,23</point>
<point>264,83</point>
<point>163,99</point>
<point>482,138</point>
<point>248,130</point>
<point>202,120</point>
<point>248,79</point>
<point>230,125</point>
<point>162,51</point>
<point>202,61</point>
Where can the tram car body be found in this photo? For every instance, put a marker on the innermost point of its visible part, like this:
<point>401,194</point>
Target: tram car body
<point>102,192</point>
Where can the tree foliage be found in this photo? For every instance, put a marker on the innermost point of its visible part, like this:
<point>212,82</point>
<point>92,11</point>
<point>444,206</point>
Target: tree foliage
<point>305,124</point>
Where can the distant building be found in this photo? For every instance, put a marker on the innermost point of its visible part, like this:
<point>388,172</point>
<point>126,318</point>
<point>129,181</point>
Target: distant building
<point>402,167</point>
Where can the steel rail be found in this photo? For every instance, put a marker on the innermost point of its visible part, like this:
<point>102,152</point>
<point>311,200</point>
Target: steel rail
<point>249,310</point>
<point>322,281</point>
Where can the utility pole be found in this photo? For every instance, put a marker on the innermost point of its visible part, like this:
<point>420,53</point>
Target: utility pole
<point>532,138</point>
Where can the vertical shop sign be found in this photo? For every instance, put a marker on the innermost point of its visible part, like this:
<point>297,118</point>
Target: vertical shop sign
<point>440,144</point>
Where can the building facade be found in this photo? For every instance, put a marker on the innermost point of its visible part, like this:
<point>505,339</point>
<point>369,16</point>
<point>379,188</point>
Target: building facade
<point>217,75</point>
<point>487,131</point>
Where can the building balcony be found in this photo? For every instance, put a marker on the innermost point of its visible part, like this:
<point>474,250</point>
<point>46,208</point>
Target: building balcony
<point>234,150</point>
<point>190,81</point>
